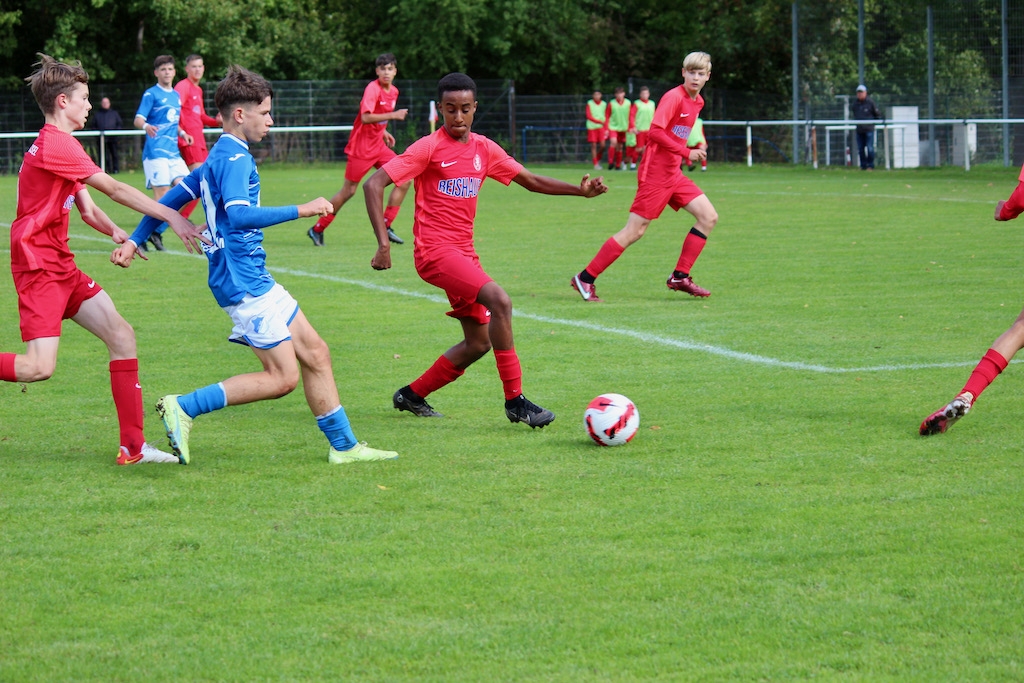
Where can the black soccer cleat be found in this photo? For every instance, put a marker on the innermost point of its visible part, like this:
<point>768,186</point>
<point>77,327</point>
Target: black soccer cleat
<point>521,409</point>
<point>405,399</point>
<point>317,237</point>
<point>157,241</point>
<point>394,237</point>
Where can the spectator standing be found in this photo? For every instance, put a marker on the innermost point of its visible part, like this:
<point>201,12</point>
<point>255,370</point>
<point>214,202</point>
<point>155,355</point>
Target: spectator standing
<point>104,119</point>
<point>865,109</point>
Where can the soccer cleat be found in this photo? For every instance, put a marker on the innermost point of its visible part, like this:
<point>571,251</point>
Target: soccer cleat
<point>942,419</point>
<point>359,453</point>
<point>632,166</point>
<point>999,210</point>
<point>126,458</point>
<point>317,237</point>
<point>177,423</point>
<point>622,166</point>
<point>686,284</point>
<point>147,454</point>
<point>158,241</point>
<point>521,409</point>
<point>394,237</point>
<point>597,167</point>
<point>587,290</point>
<point>141,248</point>
<point>611,165</point>
<point>417,407</point>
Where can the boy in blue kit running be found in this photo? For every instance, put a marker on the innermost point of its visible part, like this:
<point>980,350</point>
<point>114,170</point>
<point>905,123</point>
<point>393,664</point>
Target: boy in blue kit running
<point>266,318</point>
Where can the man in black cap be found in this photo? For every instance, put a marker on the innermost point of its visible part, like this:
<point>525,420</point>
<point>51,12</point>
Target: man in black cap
<point>865,109</point>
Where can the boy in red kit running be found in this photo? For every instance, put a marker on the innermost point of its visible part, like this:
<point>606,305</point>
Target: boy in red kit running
<point>50,286</point>
<point>996,358</point>
<point>661,183</point>
<point>449,167</point>
<point>370,146</point>
<point>193,119</point>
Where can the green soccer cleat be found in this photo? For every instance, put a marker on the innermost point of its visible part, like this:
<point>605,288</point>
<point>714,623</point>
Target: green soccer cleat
<point>178,425</point>
<point>359,453</point>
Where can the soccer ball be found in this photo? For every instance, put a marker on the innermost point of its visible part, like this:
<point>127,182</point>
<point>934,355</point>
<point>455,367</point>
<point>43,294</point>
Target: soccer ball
<point>611,420</point>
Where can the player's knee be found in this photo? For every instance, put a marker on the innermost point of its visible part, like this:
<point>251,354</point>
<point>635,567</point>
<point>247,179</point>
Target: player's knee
<point>285,383</point>
<point>37,370</point>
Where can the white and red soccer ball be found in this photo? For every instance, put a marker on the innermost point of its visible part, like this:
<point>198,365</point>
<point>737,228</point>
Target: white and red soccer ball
<point>611,420</point>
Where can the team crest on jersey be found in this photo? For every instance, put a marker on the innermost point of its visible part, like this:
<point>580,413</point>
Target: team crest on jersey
<point>476,162</point>
<point>33,149</point>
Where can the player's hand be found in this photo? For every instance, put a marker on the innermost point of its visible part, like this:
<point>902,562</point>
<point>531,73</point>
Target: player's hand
<point>389,139</point>
<point>400,114</point>
<point>698,154</point>
<point>119,236</point>
<point>188,139</point>
<point>382,259</point>
<point>123,255</point>
<point>151,130</point>
<point>999,210</point>
<point>189,234</point>
<point>317,207</point>
<point>592,188</point>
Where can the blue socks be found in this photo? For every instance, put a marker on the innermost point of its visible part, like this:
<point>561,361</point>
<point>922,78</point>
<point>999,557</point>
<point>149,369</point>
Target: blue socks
<point>336,428</point>
<point>205,400</point>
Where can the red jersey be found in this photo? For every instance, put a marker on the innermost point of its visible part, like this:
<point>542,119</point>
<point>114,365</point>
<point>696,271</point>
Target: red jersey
<point>49,178</point>
<point>675,116</point>
<point>448,177</point>
<point>367,138</point>
<point>193,111</point>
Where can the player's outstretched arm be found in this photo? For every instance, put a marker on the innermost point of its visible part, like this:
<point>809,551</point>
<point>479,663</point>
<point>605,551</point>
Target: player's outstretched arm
<point>373,191</point>
<point>97,218</point>
<point>134,199</point>
<point>543,184</point>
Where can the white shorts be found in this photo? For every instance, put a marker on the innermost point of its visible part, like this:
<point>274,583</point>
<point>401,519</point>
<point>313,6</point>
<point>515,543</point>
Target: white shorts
<point>262,321</point>
<point>163,172</point>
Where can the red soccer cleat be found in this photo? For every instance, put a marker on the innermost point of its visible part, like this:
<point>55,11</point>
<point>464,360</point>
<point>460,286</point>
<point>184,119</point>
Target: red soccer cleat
<point>686,284</point>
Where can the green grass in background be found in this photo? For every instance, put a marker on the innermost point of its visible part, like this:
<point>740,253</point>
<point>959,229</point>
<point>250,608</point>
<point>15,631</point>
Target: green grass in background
<point>776,517</point>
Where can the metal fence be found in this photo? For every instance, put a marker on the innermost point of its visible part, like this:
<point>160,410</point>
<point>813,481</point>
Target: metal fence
<point>312,120</point>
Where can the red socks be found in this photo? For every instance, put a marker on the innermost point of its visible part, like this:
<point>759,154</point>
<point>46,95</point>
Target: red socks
<point>510,372</point>
<point>390,213</point>
<point>7,367</point>
<point>323,222</point>
<point>127,392</point>
<point>606,256</point>
<point>692,246</point>
<point>988,368</point>
<point>439,374</point>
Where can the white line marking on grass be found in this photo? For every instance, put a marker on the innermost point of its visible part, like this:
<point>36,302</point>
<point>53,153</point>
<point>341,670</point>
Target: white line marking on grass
<point>865,195</point>
<point>638,335</point>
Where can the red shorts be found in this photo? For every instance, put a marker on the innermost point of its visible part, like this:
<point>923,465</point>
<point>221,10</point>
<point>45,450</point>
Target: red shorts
<point>195,153</point>
<point>641,138</point>
<point>461,278</point>
<point>45,299</point>
<point>652,197</point>
<point>597,135</point>
<point>616,136</point>
<point>357,167</point>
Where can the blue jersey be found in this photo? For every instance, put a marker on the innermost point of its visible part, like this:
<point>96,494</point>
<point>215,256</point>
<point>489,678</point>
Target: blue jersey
<point>161,108</point>
<point>229,185</point>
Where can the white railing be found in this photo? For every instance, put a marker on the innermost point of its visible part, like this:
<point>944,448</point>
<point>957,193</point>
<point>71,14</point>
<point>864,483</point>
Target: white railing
<point>136,133</point>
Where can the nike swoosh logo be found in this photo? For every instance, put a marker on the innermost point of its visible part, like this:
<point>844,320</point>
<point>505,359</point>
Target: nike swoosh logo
<point>683,116</point>
<point>446,164</point>
<point>138,386</point>
<point>92,284</point>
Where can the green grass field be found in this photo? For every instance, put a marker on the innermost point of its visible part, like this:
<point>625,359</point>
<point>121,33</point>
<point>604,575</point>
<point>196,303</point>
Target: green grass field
<point>776,517</point>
